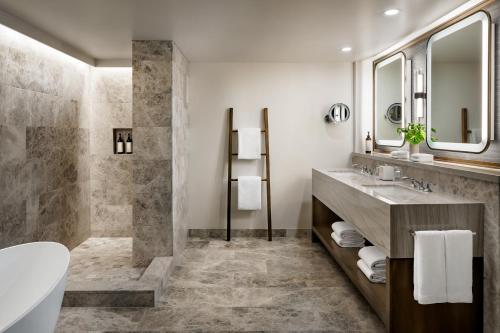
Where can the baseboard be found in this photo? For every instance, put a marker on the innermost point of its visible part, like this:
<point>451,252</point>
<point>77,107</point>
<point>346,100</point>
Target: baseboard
<point>221,233</point>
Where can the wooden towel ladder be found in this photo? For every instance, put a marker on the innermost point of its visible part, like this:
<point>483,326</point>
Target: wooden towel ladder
<point>267,179</point>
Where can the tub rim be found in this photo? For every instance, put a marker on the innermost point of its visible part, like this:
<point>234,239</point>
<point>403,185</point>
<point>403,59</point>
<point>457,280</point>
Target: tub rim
<point>52,286</point>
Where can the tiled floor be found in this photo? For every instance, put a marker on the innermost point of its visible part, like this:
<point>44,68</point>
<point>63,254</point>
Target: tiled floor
<point>246,285</point>
<point>103,259</point>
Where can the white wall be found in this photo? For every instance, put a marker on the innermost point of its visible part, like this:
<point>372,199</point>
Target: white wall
<point>364,98</point>
<point>297,95</point>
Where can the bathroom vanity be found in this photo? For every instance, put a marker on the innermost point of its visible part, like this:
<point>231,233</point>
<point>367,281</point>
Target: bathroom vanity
<point>386,214</point>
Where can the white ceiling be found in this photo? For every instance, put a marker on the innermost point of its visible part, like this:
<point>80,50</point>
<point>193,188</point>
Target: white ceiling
<point>231,30</point>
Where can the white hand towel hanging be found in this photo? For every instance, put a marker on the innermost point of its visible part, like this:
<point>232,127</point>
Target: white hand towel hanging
<point>249,193</point>
<point>458,249</point>
<point>249,146</point>
<point>429,267</point>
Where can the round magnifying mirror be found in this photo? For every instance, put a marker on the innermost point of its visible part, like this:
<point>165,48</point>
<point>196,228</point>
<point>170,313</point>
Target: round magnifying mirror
<point>338,113</point>
<point>393,113</point>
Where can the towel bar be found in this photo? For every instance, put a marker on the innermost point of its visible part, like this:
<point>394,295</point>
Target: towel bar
<point>412,232</point>
<point>236,179</point>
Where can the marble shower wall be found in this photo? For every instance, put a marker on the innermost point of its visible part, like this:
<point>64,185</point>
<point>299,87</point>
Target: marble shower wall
<point>111,174</point>
<point>180,122</point>
<point>44,141</point>
<point>156,64</point>
<point>483,191</point>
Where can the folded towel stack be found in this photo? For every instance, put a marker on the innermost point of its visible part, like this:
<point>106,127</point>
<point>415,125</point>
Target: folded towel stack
<point>345,235</point>
<point>400,154</point>
<point>372,263</point>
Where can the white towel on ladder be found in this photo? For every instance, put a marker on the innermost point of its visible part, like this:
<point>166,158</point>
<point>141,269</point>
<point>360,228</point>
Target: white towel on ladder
<point>249,193</point>
<point>249,146</point>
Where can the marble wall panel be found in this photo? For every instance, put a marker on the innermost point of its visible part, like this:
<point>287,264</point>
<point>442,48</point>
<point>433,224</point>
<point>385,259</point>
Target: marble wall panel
<point>153,143</point>
<point>152,176</point>
<point>44,156</point>
<point>489,194</point>
<point>152,164</point>
<point>180,124</point>
<point>13,224</point>
<point>110,174</point>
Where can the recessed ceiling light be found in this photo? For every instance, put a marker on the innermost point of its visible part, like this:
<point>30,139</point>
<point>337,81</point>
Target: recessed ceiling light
<point>391,12</point>
<point>346,49</point>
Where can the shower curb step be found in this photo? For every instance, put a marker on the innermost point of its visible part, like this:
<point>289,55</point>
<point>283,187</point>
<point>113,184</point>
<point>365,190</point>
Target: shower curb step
<point>144,292</point>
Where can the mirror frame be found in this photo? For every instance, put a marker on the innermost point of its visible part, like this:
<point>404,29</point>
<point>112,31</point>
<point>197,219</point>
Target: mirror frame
<point>486,85</point>
<point>378,64</point>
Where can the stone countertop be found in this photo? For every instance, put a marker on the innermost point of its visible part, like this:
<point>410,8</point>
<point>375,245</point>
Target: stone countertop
<point>469,171</point>
<point>390,192</point>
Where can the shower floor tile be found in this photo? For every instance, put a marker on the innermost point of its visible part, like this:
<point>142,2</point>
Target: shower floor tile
<point>287,285</point>
<point>101,274</point>
<point>103,259</point>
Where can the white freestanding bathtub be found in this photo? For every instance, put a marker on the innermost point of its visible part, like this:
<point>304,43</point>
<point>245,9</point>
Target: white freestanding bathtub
<point>32,281</point>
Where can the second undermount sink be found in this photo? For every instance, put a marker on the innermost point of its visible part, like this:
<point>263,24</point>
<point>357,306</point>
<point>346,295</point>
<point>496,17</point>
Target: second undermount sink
<point>393,191</point>
<point>347,172</point>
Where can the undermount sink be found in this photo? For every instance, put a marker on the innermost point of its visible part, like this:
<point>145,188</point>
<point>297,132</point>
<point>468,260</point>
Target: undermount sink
<point>347,172</point>
<point>393,191</point>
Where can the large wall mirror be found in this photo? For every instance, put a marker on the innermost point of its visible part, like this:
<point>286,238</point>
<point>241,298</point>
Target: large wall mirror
<point>389,103</point>
<point>458,85</point>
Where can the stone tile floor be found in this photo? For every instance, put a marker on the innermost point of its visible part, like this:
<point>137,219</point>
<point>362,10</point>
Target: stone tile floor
<point>103,259</point>
<point>288,285</point>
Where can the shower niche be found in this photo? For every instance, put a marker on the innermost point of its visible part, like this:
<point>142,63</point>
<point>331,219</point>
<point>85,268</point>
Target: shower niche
<point>123,142</point>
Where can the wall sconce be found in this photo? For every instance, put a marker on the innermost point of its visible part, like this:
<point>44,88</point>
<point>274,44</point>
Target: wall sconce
<point>420,95</point>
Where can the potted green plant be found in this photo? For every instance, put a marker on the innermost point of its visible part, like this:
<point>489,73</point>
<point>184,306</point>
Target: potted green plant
<point>415,134</point>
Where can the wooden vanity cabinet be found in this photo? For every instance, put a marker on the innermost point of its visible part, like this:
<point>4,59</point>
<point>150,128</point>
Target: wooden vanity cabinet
<point>393,301</point>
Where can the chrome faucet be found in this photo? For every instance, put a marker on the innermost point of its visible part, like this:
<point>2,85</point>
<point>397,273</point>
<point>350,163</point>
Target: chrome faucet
<point>419,185</point>
<point>367,171</point>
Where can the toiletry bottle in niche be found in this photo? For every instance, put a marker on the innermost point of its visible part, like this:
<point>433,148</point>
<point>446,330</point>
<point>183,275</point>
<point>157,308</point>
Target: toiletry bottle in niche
<point>128,145</point>
<point>368,144</point>
<point>119,144</point>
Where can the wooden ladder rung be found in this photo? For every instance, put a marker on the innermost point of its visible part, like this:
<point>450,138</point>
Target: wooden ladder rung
<point>236,154</point>
<point>262,131</point>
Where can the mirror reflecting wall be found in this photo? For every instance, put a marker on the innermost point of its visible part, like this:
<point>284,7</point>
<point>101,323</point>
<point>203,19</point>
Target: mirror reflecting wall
<point>389,100</point>
<point>458,85</point>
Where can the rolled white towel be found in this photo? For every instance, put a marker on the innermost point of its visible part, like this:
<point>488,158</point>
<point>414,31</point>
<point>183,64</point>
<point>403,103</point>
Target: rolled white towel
<point>375,277</point>
<point>347,243</point>
<point>345,230</point>
<point>400,154</point>
<point>373,258</point>
<point>422,158</point>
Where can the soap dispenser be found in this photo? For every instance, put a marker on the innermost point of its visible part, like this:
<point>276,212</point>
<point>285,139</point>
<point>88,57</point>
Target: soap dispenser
<point>368,144</point>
